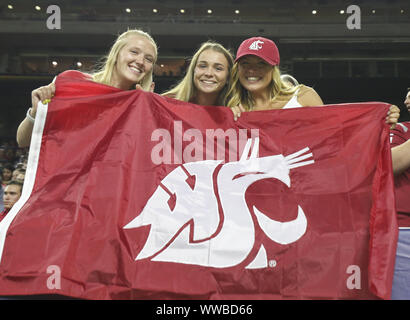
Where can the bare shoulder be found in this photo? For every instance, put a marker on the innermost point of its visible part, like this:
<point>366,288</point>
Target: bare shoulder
<point>303,90</point>
<point>308,96</point>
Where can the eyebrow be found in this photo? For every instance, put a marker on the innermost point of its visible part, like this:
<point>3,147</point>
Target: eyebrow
<point>215,63</point>
<point>138,48</point>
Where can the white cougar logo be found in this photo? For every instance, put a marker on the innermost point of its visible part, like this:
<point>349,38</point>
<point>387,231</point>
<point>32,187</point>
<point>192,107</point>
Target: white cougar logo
<point>187,225</point>
<point>256,45</point>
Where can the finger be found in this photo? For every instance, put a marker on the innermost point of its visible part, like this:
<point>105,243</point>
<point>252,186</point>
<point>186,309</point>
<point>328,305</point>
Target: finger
<point>391,119</point>
<point>49,92</point>
<point>47,95</point>
<point>43,94</point>
<point>391,112</point>
<point>393,116</point>
<point>152,87</point>
<point>35,98</point>
<point>53,89</point>
<point>138,86</point>
<point>36,95</point>
<point>235,113</point>
<point>393,109</point>
<point>242,108</point>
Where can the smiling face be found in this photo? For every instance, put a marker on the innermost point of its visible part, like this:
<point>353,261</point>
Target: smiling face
<point>255,74</point>
<point>211,72</point>
<point>135,60</point>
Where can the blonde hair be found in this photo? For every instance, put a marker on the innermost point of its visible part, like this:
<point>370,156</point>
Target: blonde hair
<point>185,89</point>
<point>104,74</point>
<point>237,94</point>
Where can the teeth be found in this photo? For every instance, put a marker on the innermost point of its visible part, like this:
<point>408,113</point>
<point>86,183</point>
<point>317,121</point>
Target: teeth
<point>136,69</point>
<point>252,78</point>
<point>208,82</point>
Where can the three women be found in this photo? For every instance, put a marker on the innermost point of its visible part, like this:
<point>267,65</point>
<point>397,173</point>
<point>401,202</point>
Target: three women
<point>252,82</point>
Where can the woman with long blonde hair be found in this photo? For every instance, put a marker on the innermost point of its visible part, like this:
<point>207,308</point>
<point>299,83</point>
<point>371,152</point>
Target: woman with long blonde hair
<point>128,65</point>
<point>130,46</point>
<point>207,78</point>
<point>256,82</point>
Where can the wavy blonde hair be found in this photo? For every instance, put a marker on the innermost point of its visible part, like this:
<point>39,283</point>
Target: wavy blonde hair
<point>105,72</point>
<point>185,89</point>
<point>237,94</point>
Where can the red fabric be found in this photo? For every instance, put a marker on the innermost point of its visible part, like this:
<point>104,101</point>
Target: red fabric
<point>95,175</point>
<point>402,182</point>
<point>3,214</point>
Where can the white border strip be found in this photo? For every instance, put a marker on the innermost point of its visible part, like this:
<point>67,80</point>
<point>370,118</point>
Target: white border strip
<point>31,171</point>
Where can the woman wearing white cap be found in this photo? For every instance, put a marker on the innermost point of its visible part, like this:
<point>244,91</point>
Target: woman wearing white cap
<point>256,82</point>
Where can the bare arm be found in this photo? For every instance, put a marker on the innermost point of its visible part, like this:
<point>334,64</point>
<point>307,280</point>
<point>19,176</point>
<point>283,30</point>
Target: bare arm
<point>24,132</point>
<point>25,128</point>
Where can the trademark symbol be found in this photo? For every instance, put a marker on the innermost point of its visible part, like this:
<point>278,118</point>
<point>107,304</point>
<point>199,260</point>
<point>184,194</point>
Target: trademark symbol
<point>272,263</point>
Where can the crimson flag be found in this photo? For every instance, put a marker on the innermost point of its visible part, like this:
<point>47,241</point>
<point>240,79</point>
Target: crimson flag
<point>130,195</point>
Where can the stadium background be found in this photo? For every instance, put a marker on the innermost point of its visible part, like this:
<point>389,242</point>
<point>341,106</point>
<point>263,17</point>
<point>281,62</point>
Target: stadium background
<point>316,46</point>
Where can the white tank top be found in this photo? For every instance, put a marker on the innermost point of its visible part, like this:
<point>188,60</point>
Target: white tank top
<point>293,102</point>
